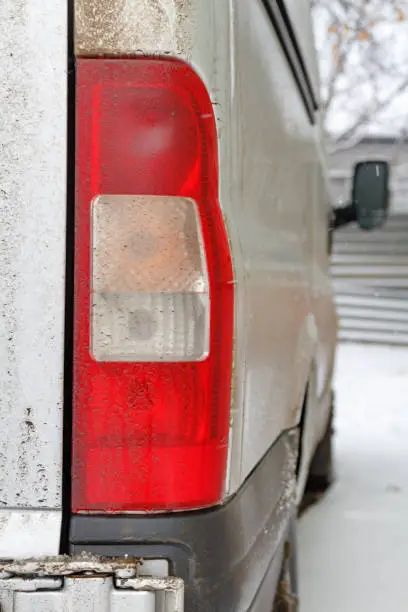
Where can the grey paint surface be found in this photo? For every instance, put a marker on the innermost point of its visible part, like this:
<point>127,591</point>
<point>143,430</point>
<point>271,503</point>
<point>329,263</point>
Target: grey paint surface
<point>32,256</point>
<point>281,217</point>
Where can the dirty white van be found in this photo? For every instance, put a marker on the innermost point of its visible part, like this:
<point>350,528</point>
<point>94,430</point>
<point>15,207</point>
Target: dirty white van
<point>167,330</point>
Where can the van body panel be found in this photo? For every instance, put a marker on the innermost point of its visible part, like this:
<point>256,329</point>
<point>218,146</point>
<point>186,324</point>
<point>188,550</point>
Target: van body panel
<point>276,212</point>
<point>274,198</point>
<point>270,193</point>
<point>33,65</point>
<point>201,35</point>
<point>29,533</point>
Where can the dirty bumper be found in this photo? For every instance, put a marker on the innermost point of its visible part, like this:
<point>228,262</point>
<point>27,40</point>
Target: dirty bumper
<point>228,557</point>
<point>87,582</point>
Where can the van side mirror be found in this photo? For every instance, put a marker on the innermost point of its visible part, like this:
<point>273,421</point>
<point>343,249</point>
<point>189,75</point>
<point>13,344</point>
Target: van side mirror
<point>370,196</point>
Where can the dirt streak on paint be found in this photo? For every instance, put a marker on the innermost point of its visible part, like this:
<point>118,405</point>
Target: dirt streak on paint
<point>128,27</point>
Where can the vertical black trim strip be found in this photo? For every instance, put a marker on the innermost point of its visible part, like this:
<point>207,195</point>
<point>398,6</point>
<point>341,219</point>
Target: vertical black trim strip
<point>298,51</point>
<point>279,17</point>
<point>69,287</point>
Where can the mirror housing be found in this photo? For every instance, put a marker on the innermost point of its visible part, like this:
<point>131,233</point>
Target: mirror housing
<point>370,197</point>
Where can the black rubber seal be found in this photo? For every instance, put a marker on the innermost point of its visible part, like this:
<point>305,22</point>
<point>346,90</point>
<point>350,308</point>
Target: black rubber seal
<point>69,285</point>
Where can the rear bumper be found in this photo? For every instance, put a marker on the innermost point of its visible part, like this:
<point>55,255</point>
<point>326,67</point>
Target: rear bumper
<point>85,583</point>
<point>228,557</point>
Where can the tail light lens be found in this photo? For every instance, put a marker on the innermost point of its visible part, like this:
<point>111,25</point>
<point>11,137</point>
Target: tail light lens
<point>153,292</point>
<point>150,297</point>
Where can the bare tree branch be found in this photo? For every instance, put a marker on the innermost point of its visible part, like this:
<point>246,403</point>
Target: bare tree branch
<point>368,115</point>
<point>364,63</point>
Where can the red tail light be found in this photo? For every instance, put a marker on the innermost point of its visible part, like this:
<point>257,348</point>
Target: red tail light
<point>153,292</point>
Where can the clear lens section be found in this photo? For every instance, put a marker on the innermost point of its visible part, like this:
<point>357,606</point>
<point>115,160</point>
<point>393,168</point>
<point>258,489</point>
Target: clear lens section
<point>150,297</point>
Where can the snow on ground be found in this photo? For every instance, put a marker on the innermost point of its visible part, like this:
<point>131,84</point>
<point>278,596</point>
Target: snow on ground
<point>353,545</point>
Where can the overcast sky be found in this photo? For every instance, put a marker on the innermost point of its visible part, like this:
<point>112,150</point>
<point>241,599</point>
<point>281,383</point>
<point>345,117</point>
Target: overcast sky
<point>354,91</point>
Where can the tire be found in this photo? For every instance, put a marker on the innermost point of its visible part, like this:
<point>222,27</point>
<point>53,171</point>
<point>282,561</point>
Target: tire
<point>286,599</point>
<point>321,472</point>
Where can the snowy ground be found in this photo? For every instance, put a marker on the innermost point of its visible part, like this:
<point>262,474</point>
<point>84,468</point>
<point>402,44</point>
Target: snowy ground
<point>354,543</point>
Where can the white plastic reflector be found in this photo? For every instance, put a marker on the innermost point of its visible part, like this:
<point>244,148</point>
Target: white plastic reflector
<point>150,295</point>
